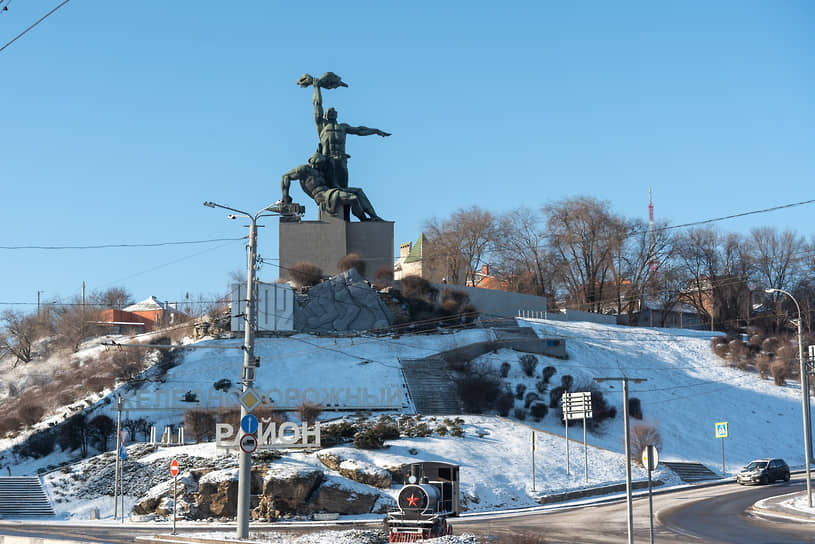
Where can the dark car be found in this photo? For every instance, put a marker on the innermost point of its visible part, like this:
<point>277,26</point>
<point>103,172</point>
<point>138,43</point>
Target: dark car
<point>764,471</point>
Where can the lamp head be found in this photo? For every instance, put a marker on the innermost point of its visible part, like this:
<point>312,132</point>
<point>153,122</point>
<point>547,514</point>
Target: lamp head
<point>231,216</point>
<point>770,290</point>
<point>209,204</point>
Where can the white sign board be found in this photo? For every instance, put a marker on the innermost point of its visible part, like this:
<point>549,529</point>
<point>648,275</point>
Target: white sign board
<point>274,303</point>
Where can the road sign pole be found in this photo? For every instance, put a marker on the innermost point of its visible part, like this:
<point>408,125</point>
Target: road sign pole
<point>650,498</point>
<point>566,425</point>
<point>174,472</point>
<point>722,456</point>
<point>175,500</point>
<point>585,449</point>
<point>533,461</point>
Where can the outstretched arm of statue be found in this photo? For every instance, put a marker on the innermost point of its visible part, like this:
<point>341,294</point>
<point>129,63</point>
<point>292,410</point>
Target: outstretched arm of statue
<point>285,183</point>
<point>365,131</point>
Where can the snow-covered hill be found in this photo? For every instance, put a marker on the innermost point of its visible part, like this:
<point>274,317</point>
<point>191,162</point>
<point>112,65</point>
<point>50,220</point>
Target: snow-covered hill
<point>687,389</point>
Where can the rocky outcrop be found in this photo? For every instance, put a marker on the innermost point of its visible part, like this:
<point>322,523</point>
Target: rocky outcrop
<point>356,470</point>
<point>346,302</point>
<point>343,497</point>
<point>289,487</point>
<point>217,494</point>
<point>283,488</point>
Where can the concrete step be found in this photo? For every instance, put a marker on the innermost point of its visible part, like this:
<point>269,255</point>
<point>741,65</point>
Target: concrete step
<point>432,389</point>
<point>23,496</point>
<point>691,472</point>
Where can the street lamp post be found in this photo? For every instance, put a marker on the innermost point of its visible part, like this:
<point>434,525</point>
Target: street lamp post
<point>804,394</point>
<point>250,363</point>
<point>626,430</point>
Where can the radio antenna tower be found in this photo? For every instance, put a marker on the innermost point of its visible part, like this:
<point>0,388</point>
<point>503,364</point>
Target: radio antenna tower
<point>652,258</point>
<point>651,255</point>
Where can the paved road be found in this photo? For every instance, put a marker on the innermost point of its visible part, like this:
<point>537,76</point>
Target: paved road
<point>712,515</point>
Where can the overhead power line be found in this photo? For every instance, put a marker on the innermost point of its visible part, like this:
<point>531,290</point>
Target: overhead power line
<point>41,19</point>
<point>108,246</point>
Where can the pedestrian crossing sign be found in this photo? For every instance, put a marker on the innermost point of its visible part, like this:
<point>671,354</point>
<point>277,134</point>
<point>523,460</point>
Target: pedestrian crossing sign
<point>721,429</point>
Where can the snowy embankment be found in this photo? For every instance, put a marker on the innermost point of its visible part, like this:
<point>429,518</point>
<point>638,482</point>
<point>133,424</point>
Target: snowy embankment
<point>687,389</point>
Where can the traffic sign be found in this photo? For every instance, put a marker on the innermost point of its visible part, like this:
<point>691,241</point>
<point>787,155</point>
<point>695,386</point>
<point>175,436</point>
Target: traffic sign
<point>721,429</point>
<point>174,468</point>
<point>249,443</point>
<point>250,399</point>
<point>650,461</point>
<point>123,452</point>
<point>249,424</point>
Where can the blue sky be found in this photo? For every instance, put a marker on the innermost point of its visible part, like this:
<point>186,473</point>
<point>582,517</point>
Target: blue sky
<point>119,119</point>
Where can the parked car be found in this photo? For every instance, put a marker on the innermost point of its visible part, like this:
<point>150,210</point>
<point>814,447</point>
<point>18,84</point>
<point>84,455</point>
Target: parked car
<point>764,471</point>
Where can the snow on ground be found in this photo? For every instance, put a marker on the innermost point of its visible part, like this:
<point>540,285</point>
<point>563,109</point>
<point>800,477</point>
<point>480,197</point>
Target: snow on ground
<point>687,390</point>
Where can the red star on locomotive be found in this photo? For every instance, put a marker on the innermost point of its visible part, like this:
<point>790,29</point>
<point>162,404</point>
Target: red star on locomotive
<point>413,500</point>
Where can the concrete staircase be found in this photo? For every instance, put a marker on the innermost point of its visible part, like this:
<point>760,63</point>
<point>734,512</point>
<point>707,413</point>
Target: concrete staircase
<point>23,497</point>
<point>430,386</point>
<point>691,472</point>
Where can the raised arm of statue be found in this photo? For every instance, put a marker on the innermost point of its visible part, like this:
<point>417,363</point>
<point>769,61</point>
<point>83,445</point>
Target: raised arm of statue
<point>318,108</point>
<point>365,131</point>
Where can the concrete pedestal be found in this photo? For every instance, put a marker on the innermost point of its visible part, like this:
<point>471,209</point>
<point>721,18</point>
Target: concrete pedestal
<point>325,242</point>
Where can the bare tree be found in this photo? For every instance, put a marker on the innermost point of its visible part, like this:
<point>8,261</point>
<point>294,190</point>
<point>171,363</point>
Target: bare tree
<point>115,297</point>
<point>462,242</point>
<point>74,322</point>
<point>521,251</point>
<point>778,257</point>
<point>638,266</point>
<point>19,333</point>
<point>584,235</point>
<point>698,261</point>
<point>780,264</point>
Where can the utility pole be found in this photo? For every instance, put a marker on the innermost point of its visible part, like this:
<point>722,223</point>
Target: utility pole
<point>630,515</point>
<point>119,404</point>
<point>250,363</point>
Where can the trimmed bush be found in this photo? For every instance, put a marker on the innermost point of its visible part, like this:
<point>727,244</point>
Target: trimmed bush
<point>479,389</point>
<point>548,372</point>
<point>555,395</point>
<point>635,408</point>
<point>368,440</point>
<point>780,371</point>
<point>336,433</point>
<point>383,277</point>
<point>305,274</point>
<point>309,412</point>
<point>541,387</point>
<point>519,413</point>
<point>763,361</point>
<point>538,410</point>
<point>200,424</point>
<point>530,398</point>
<point>222,385</point>
<point>520,389</point>
<point>352,260</point>
<point>504,403</point>
<point>566,381</point>
<point>505,369</point>
<point>528,364</point>
<point>769,345</point>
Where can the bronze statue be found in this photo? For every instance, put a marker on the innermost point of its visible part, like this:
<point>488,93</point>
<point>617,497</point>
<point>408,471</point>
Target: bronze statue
<point>330,198</point>
<point>331,133</point>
